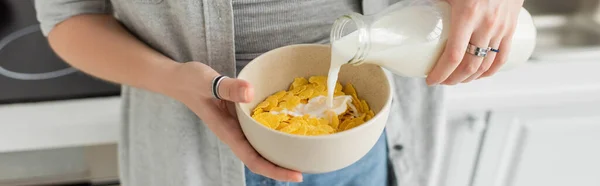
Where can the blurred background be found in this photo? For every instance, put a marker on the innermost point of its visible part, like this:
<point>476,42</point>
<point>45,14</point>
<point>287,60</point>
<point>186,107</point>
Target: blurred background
<point>535,125</point>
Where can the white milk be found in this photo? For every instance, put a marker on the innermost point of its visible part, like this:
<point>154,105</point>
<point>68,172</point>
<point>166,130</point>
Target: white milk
<point>409,41</point>
<point>317,107</point>
<point>332,76</point>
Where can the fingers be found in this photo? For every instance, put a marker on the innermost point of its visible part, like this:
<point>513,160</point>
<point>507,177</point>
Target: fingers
<point>490,27</point>
<point>491,55</point>
<point>230,107</point>
<point>487,61</point>
<point>501,56</point>
<point>471,63</point>
<point>461,28</point>
<point>259,165</point>
<point>500,31</point>
<point>217,118</point>
<point>230,89</point>
<point>495,22</point>
<point>236,90</point>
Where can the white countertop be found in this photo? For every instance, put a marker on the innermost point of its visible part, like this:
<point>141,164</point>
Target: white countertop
<point>96,121</point>
<point>59,124</point>
<point>533,84</point>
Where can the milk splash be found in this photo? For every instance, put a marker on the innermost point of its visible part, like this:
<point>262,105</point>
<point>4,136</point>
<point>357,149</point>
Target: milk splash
<point>317,109</point>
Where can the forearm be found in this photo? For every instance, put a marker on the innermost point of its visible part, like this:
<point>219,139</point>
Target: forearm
<point>98,45</point>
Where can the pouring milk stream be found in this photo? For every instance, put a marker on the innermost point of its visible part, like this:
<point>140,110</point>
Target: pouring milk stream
<point>407,39</point>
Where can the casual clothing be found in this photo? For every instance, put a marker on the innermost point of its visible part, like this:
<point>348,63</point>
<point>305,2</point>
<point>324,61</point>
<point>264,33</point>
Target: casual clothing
<point>163,143</point>
<point>370,170</point>
<point>263,25</point>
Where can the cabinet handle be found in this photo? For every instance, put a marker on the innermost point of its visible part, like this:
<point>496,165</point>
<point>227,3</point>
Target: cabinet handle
<point>511,152</point>
<point>480,128</point>
<point>475,125</point>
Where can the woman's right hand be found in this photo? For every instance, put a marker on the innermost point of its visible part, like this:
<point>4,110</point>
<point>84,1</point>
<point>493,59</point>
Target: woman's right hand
<point>220,115</point>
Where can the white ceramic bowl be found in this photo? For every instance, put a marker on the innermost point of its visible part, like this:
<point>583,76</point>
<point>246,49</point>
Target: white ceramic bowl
<point>275,71</point>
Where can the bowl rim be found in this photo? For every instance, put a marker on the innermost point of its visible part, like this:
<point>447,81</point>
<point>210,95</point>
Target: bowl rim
<point>379,114</point>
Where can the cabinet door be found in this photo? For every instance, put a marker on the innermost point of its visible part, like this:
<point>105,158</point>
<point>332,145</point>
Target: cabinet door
<point>462,144</point>
<point>550,146</point>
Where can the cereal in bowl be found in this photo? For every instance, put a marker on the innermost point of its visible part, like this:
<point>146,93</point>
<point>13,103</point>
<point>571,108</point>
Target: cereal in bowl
<point>302,109</point>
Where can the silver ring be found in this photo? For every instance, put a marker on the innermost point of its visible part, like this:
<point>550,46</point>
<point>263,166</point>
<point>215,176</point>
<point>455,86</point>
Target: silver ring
<point>215,86</point>
<point>477,51</point>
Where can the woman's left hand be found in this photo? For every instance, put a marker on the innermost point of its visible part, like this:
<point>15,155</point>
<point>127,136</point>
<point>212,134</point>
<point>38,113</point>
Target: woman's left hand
<point>482,23</point>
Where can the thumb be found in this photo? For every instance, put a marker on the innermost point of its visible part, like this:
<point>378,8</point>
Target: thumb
<point>236,90</point>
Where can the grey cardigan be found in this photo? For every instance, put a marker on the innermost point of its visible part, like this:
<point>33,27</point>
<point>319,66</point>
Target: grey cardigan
<point>165,144</point>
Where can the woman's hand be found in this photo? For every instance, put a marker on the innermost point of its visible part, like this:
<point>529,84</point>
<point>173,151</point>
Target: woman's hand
<point>221,118</point>
<point>483,23</point>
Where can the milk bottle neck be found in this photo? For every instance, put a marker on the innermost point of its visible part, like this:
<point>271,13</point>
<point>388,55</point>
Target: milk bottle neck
<point>357,24</point>
<point>403,24</point>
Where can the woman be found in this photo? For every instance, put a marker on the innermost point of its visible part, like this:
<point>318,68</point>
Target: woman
<point>166,53</point>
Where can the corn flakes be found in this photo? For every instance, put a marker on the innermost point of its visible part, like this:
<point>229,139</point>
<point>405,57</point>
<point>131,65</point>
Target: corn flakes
<point>298,82</point>
<point>270,112</point>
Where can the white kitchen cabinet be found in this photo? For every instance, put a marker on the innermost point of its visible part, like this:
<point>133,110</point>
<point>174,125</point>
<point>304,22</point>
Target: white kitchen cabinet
<point>462,142</point>
<point>550,146</point>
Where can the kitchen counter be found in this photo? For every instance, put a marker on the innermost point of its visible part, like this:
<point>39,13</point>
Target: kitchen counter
<point>56,124</point>
<point>533,84</point>
<point>96,121</point>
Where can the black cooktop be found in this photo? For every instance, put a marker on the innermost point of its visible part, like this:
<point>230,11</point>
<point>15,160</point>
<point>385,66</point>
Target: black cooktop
<point>29,70</point>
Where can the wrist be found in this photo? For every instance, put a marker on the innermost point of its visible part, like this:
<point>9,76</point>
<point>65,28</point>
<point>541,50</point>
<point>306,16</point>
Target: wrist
<point>187,82</point>
<point>169,81</point>
<point>162,78</point>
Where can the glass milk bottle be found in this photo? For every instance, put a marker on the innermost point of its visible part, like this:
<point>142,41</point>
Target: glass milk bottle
<point>408,38</point>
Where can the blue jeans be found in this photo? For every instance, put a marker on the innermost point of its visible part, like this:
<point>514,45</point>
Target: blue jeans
<point>371,170</point>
